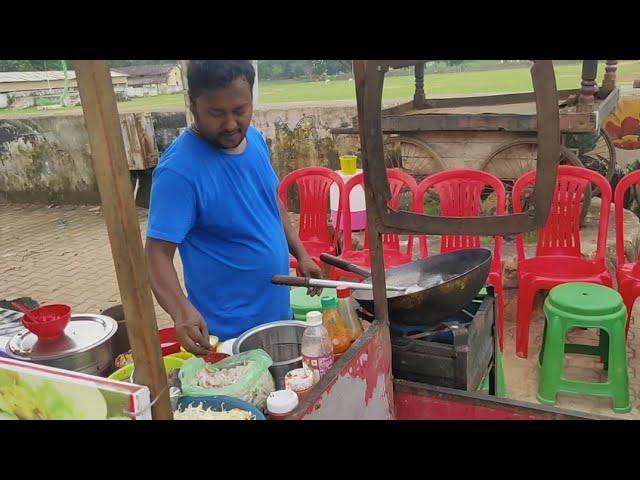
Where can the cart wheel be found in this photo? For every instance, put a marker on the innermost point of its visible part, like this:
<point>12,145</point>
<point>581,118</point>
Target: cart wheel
<point>512,160</point>
<point>412,155</point>
<point>415,157</point>
<point>596,152</point>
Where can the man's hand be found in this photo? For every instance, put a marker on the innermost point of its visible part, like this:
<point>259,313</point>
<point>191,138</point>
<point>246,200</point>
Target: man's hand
<point>309,268</point>
<point>191,330</point>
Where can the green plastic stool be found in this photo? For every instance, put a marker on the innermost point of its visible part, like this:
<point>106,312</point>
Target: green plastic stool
<point>301,303</point>
<point>584,305</point>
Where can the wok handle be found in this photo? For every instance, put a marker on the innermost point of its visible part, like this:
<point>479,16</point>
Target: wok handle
<point>290,281</point>
<point>343,265</point>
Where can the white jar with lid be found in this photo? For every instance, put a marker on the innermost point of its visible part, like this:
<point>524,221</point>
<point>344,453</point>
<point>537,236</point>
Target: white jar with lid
<point>281,403</point>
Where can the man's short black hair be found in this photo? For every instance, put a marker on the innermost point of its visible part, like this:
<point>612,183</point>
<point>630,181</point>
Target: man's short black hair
<point>213,74</point>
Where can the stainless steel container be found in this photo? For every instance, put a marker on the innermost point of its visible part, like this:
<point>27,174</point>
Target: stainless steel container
<point>120,339</point>
<point>86,346</point>
<point>281,340</point>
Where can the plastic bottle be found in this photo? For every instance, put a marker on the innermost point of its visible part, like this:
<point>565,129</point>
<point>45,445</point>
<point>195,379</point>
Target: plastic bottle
<point>317,352</point>
<point>348,314</point>
<point>340,339</point>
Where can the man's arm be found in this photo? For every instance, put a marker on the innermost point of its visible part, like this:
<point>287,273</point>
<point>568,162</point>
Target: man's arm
<point>191,328</point>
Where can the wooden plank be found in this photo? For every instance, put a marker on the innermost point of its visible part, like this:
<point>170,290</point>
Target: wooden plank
<point>114,184</point>
<point>399,109</point>
<point>481,343</point>
<point>476,101</point>
<point>401,63</point>
<point>569,122</point>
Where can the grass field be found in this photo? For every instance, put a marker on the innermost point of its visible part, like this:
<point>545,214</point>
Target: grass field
<point>396,88</point>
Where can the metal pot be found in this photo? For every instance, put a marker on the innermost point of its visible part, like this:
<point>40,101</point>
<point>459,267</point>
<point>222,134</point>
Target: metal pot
<point>85,347</point>
<point>120,338</point>
<point>281,340</point>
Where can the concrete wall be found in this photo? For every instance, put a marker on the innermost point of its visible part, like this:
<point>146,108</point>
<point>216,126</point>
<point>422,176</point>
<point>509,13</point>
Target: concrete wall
<point>46,159</point>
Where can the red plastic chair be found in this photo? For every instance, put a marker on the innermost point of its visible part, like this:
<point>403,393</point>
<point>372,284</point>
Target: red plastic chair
<point>459,193</point>
<point>558,256</point>
<point>393,256</point>
<point>314,184</point>
<point>627,273</point>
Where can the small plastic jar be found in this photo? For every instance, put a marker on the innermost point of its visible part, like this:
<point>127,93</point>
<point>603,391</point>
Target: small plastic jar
<point>300,381</point>
<point>281,403</point>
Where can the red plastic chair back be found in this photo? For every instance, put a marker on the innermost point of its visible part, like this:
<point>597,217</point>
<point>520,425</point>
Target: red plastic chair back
<point>561,234</point>
<point>314,185</point>
<point>459,192</point>
<point>398,181</point>
<point>627,182</point>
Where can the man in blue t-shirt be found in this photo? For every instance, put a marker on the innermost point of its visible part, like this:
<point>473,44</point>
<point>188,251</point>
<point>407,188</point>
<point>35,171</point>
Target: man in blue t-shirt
<point>214,196</point>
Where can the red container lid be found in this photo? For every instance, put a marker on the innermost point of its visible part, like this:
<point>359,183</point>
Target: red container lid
<point>343,292</point>
<point>214,357</point>
<point>168,341</point>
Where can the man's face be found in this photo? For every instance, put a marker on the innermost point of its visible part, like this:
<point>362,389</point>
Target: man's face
<point>223,116</point>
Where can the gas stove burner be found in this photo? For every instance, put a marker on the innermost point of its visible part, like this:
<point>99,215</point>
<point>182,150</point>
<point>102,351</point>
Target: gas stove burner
<point>400,330</point>
<point>444,332</point>
<point>456,353</point>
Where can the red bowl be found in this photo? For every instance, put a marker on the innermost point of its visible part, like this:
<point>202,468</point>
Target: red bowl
<point>51,320</point>
<point>168,341</point>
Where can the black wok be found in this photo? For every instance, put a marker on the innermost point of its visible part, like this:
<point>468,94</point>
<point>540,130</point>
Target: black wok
<point>449,282</point>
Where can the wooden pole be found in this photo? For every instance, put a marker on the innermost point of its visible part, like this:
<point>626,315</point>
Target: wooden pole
<point>112,174</point>
<point>609,80</point>
<point>586,99</point>
<point>184,64</point>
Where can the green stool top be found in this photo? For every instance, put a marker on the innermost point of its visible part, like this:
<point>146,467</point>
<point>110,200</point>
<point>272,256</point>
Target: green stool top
<point>301,303</point>
<point>589,299</point>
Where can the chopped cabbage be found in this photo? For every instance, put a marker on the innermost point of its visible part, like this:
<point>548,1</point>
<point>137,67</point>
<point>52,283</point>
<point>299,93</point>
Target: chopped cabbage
<point>199,413</point>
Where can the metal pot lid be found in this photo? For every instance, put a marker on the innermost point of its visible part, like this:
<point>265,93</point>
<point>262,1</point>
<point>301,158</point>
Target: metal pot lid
<point>84,332</point>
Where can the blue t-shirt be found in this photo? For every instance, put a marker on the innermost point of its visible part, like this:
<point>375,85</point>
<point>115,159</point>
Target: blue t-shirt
<point>221,210</point>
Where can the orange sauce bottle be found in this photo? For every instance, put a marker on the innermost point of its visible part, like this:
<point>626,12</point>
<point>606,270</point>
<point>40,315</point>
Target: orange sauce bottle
<point>340,337</point>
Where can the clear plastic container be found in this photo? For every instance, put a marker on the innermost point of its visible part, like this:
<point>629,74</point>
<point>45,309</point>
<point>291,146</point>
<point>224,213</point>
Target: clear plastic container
<point>300,381</point>
<point>348,314</point>
<point>317,351</point>
<point>340,339</point>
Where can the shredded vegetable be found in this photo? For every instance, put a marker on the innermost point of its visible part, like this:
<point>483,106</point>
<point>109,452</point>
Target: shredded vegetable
<point>221,378</point>
<point>199,413</point>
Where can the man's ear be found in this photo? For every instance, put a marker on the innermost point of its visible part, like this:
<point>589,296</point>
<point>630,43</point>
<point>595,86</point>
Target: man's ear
<point>192,104</point>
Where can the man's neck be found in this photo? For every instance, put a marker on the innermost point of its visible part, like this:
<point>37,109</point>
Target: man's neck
<point>237,150</point>
<point>233,151</point>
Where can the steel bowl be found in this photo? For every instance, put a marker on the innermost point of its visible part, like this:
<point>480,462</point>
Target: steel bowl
<point>282,340</point>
